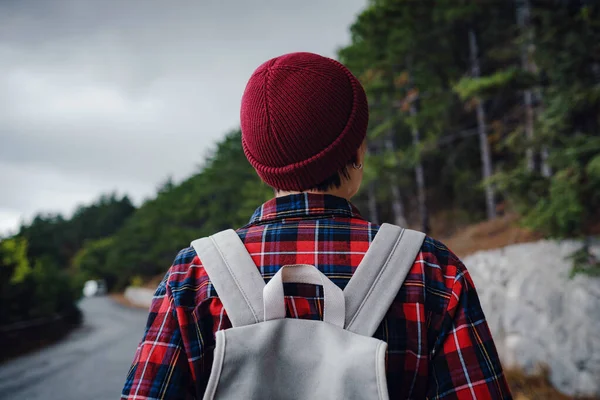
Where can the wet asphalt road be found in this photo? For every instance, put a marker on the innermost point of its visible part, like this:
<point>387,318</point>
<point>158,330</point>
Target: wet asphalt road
<point>90,363</point>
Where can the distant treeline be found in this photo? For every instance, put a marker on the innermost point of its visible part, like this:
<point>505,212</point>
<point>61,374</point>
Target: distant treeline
<point>37,274</point>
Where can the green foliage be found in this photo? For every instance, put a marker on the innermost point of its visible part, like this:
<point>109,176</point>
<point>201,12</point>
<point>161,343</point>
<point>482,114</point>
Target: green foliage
<point>136,281</point>
<point>560,212</point>
<point>59,238</point>
<point>584,262</point>
<point>223,195</point>
<point>510,79</point>
<point>90,261</point>
<point>36,274</point>
<point>564,204</point>
<point>404,51</point>
<point>593,173</point>
<point>53,291</point>
<point>31,292</point>
<point>13,255</point>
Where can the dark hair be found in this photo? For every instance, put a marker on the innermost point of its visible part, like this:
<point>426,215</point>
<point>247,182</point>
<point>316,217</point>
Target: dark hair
<point>335,180</point>
<point>332,182</point>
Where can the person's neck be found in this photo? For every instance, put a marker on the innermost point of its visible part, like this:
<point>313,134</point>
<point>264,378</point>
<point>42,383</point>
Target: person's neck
<point>339,192</point>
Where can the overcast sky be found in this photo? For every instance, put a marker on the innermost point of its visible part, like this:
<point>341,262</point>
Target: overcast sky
<point>112,95</point>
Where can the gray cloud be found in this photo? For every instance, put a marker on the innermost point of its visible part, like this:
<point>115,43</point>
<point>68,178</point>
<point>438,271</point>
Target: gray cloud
<point>109,95</point>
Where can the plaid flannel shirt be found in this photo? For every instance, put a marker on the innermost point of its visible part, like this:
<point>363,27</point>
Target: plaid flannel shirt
<point>439,343</point>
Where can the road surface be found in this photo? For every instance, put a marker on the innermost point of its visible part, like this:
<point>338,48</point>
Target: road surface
<point>90,363</point>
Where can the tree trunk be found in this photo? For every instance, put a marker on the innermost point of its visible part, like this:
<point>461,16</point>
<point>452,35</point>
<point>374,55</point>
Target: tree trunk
<point>371,193</point>
<point>523,15</point>
<point>372,203</point>
<point>529,96</point>
<point>546,169</point>
<point>397,203</point>
<point>420,177</point>
<point>529,154</point>
<point>486,160</point>
<point>388,144</point>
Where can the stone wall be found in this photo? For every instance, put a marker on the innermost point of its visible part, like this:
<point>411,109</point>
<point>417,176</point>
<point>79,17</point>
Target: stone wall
<point>539,316</point>
<point>139,296</point>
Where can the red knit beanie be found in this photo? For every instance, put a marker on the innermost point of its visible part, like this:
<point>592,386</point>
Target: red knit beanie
<point>303,118</point>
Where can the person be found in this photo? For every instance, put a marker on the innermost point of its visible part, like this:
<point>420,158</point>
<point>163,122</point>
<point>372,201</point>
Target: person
<point>304,121</point>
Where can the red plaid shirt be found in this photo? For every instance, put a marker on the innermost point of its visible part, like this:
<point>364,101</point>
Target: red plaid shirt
<point>439,343</point>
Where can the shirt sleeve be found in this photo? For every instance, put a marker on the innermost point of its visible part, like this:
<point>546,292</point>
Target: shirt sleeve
<point>160,369</point>
<point>464,361</point>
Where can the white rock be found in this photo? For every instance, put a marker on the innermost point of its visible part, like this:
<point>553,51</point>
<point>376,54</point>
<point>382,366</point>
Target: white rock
<point>139,296</point>
<point>539,315</point>
<point>564,375</point>
<point>579,345</point>
<point>557,338</point>
<point>520,318</point>
<point>588,384</point>
<point>492,303</point>
<point>524,353</point>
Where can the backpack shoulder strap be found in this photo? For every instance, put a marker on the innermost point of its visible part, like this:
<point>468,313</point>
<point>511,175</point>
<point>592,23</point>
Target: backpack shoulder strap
<point>378,278</point>
<point>234,275</point>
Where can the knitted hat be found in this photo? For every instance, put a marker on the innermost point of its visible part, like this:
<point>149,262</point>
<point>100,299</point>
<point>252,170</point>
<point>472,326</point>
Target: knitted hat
<point>303,118</point>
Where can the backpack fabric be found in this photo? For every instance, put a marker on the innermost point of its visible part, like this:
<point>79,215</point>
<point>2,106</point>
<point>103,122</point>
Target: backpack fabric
<point>267,356</point>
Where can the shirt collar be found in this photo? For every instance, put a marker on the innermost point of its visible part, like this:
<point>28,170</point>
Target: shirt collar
<point>304,205</point>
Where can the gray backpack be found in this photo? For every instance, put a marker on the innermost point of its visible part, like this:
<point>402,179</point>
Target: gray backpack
<point>267,356</point>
